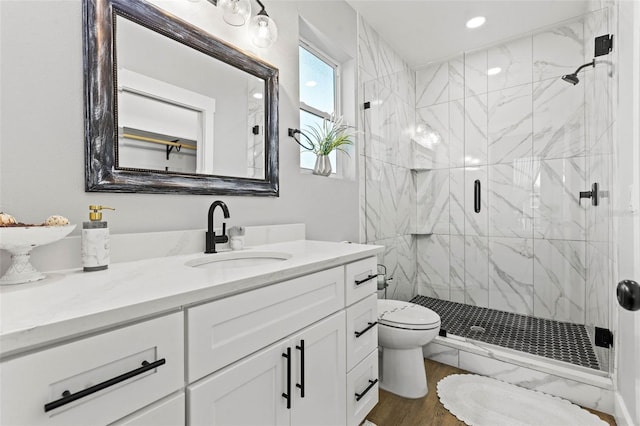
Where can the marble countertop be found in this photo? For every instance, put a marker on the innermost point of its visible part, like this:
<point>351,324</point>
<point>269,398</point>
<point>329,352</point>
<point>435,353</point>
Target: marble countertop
<point>73,303</point>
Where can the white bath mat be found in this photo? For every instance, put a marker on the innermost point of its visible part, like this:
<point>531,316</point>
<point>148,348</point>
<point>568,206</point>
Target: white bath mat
<point>483,401</point>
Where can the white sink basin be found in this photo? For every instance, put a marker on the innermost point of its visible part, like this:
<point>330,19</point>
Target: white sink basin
<point>238,259</point>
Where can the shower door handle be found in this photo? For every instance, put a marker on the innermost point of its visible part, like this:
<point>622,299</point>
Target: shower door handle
<point>477,202</point>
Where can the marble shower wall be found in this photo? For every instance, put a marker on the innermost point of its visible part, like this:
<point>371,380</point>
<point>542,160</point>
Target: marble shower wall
<point>387,184</point>
<point>533,142</point>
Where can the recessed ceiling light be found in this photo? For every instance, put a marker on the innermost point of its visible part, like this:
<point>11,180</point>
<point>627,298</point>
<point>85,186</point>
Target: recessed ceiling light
<point>311,83</point>
<point>494,71</point>
<point>476,22</point>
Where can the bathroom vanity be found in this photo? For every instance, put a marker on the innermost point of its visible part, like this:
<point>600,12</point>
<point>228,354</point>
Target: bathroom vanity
<point>286,336</point>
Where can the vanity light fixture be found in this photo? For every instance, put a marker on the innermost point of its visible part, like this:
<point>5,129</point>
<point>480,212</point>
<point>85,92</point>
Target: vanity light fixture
<point>476,22</point>
<point>262,29</point>
<point>235,12</point>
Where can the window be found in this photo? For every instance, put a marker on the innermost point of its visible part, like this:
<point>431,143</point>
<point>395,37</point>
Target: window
<point>318,96</point>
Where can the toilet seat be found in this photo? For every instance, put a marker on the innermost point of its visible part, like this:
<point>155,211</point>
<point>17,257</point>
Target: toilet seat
<point>406,315</point>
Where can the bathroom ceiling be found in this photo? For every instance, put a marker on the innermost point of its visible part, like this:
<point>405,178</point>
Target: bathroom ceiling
<point>423,31</point>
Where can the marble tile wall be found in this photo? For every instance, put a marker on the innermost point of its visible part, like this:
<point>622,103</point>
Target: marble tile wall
<point>387,183</point>
<point>533,142</point>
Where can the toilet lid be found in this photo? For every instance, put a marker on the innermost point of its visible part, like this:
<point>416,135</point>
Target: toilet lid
<point>396,313</point>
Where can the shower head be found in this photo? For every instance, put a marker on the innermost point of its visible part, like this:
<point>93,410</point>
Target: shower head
<point>573,78</point>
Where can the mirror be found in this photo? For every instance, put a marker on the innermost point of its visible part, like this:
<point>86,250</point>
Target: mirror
<point>171,109</point>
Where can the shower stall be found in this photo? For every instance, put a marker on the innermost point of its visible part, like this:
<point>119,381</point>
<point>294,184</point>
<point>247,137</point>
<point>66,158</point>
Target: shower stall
<point>486,176</point>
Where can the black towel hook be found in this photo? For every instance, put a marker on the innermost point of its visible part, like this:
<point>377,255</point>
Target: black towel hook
<point>292,134</point>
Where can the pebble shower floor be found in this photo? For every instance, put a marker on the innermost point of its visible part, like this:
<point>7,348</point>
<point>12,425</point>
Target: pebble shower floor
<point>561,341</point>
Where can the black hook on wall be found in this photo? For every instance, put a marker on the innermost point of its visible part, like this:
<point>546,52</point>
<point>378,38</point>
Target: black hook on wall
<point>170,148</point>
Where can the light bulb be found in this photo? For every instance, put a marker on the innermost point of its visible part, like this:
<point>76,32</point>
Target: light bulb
<point>263,30</point>
<point>235,12</point>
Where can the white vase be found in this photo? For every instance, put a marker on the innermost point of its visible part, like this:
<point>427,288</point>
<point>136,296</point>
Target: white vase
<point>323,165</point>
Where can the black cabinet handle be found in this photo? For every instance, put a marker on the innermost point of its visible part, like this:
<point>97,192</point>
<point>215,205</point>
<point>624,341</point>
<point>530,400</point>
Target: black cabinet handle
<point>68,397</point>
<point>287,395</point>
<point>476,196</point>
<point>369,327</point>
<point>301,384</point>
<point>364,280</point>
<point>372,383</point>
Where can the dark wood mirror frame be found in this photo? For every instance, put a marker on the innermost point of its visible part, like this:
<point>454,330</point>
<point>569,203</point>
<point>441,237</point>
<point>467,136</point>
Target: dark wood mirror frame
<point>100,116</point>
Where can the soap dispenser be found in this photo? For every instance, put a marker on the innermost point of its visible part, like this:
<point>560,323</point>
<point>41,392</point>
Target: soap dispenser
<point>95,240</point>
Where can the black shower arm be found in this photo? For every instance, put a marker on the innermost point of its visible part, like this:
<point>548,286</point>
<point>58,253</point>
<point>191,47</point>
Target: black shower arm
<point>592,64</point>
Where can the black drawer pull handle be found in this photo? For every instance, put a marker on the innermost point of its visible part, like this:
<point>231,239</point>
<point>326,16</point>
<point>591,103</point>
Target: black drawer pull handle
<point>364,280</point>
<point>476,196</point>
<point>301,384</point>
<point>68,397</point>
<point>287,395</point>
<point>372,383</point>
<point>369,327</point>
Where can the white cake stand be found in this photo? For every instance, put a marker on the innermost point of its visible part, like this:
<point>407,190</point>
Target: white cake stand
<point>19,241</point>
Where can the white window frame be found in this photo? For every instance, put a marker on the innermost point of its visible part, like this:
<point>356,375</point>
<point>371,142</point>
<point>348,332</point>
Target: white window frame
<point>337,98</point>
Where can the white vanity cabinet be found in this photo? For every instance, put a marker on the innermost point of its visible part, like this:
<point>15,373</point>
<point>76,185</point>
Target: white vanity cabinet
<point>298,381</point>
<point>95,380</point>
<point>287,347</point>
<point>319,375</point>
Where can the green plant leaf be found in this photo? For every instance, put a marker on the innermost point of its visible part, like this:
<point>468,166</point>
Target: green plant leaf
<point>330,135</point>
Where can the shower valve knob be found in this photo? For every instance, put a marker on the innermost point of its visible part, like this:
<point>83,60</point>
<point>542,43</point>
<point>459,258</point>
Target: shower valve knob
<point>594,194</point>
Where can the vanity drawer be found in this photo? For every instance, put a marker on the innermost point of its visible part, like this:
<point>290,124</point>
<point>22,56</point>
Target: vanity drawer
<point>361,279</point>
<point>168,412</point>
<point>32,384</point>
<point>362,330</point>
<point>223,331</point>
<point>362,389</point>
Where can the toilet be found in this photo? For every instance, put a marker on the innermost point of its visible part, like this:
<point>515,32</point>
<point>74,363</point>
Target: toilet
<point>403,328</point>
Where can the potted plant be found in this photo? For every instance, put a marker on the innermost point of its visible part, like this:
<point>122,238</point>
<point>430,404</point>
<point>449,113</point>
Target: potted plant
<point>324,138</point>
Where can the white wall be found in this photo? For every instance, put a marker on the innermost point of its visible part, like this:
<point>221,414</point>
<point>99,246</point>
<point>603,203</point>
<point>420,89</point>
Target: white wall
<point>42,136</point>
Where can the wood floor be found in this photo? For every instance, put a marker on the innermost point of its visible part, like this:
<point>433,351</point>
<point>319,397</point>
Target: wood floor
<point>393,410</point>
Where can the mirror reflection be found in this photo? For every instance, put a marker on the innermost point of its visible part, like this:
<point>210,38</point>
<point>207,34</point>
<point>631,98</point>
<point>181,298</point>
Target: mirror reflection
<point>182,111</point>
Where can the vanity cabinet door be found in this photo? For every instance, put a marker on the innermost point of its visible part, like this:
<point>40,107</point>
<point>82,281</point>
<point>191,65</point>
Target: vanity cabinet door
<point>323,377</point>
<point>246,393</point>
<point>253,391</point>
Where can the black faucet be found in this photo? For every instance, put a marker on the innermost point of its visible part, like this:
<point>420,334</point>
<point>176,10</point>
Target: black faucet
<point>211,238</point>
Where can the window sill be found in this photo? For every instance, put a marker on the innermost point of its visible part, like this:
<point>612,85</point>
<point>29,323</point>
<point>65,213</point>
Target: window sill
<point>331,176</point>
